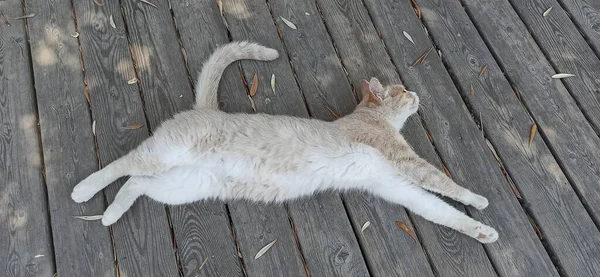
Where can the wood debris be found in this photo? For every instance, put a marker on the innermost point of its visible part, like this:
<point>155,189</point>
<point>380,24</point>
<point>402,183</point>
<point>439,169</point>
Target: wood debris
<point>134,127</point>
<point>75,35</point>
<point>4,20</point>
<point>562,75</point>
<point>365,226</point>
<point>86,92</point>
<point>149,3</point>
<point>132,81</point>
<point>532,132</point>
<point>100,3</point>
<point>472,91</point>
<point>94,127</point>
<point>446,171</point>
<point>111,21</point>
<point>422,57</point>
<point>220,6</point>
<point>406,229</point>
<point>483,69</point>
<point>264,250</point>
<point>407,36</point>
<point>25,16</point>
<point>254,85</point>
<point>547,12</point>
<point>288,23</point>
<point>417,8</point>
<point>203,263</point>
<point>535,227</point>
<point>333,113</point>
<point>88,217</point>
<point>273,83</point>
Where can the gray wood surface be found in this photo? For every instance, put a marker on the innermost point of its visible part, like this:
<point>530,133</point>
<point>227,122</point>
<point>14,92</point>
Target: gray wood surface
<point>256,225</point>
<point>143,242</point>
<point>461,144</point>
<point>586,15</point>
<point>202,230</point>
<point>325,234</point>
<point>26,239</point>
<point>68,142</point>
<point>567,51</point>
<point>545,189</point>
<point>363,56</point>
<point>560,122</point>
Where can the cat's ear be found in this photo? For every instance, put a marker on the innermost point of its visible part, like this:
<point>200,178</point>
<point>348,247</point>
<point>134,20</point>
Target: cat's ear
<point>376,88</point>
<point>368,95</point>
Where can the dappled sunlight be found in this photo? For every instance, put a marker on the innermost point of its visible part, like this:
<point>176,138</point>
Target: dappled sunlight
<point>45,55</point>
<point>143,58</point>
<point>125,68</point>
<point>237,9</point>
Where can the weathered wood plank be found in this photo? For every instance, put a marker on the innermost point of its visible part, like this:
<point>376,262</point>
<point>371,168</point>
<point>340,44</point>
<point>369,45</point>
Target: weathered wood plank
<point>567,51</point>
<point>586,14</point>
<point>325,234</point>
<point>256,225</point>
<point>142,237</point>
<point>67,139</point>
<point>364,56</point>
<point>545,189</point>
<point>571,139</point>
<point>460,144</point>
<point>201,229</point>
<point>26,239</point>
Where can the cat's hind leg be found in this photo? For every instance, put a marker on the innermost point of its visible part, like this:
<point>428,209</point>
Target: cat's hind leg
<point>131,190</point>
<point>435,209</point>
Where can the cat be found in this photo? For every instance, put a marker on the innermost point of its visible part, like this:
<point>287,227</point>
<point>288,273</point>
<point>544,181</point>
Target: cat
<point>206,153</point>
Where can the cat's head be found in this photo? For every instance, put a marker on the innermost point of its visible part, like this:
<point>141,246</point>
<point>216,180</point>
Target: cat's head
<point>393,101</point>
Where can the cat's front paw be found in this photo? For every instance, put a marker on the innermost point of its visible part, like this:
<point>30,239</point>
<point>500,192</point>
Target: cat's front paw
<point>111,215</point>
<point>476,200</point>
<point>82,192</point>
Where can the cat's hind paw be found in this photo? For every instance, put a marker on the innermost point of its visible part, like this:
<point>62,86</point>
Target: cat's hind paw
<point>487,234</point>
<point>477,201</point>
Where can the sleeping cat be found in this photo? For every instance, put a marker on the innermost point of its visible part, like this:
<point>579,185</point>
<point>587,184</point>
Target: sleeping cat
<point>206,153</point>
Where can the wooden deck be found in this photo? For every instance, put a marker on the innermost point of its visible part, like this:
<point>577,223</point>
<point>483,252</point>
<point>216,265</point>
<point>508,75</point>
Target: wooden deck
<point>66,105</point>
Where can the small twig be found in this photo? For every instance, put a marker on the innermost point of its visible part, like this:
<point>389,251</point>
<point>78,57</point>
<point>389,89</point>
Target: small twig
<point>422,57</point>
<point>25,16</point>
<point>4,19</point>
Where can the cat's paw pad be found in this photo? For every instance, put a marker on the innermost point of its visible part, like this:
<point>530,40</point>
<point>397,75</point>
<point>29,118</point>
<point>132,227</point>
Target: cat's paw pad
<point>486,234</point>
<point>82,193</point>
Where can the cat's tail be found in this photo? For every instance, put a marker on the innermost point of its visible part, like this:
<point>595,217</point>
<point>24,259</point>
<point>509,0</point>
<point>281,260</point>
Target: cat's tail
<point>208,82</point>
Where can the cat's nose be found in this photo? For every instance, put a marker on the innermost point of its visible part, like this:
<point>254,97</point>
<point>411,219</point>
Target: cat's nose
<point>413,93</point>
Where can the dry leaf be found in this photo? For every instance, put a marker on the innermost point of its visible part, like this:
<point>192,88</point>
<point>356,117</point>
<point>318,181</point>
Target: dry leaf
<point>440,53</point>
<point>273,83</point>
<point>99,2</point>
<point>547,12</point>
<point>532,133</point>
<point>417,9</point>
<point>264,249</point>
<point>422,57</point>
<point>406,229</point>
<point>429,137</point>
<point>4,20</point>
<point>94,127</point>
<point>365,226</point>
<point>483,69</point>
<point>203,263</point>
<point>562,75</point>
<point>408,37</point>
<point>307,13</point>
<point>472,91</point>
<point>333,113</point>
<point>148,2</point>
<point>88,217</point>
<point>254,85</point>
<point>112,22</point>
<point>75,35</point>
<point>535,227</point>
<point>133,127</point>
<point>516,91</point>
<point>288,23</point>
<point>25,16</point>
<point>220,6</point>
<point>491,147</point>
<point>132,81</point>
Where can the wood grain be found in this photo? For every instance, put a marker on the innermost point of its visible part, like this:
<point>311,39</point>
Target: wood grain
<point>586,15</point>
<point>26,239</point>
<point>364,56</point>
<point>202,230</point>
<point>572,141</point>
<point>545,189</point>
<point>567,51</point>
<point>142,236</point>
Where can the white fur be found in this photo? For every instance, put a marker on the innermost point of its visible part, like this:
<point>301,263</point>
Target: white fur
<point>205,153</point>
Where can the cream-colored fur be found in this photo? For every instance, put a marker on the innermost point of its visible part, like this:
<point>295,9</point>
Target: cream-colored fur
<point>206,153</point>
